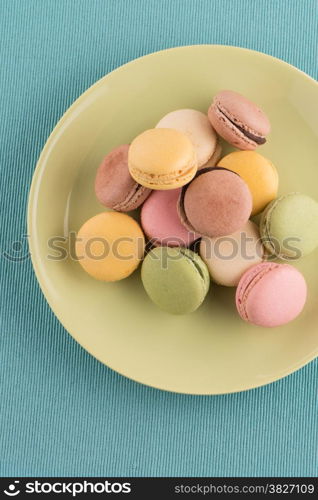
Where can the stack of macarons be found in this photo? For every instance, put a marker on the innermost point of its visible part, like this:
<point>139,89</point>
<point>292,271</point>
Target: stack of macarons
<point>195,212</point>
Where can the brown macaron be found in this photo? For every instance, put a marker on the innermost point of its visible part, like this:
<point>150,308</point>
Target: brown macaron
<point>216,203</point>
<point>114,186</point>
<point>238,120</point>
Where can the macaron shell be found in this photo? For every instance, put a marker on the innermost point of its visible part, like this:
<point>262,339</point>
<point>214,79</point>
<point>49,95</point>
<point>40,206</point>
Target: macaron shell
<point>195,125</point>
<point>110,246</point>
<point>289,226</point>
<point>229,257</point>
<point>216,203</point>
<point>277,297</point>
<point>162,159</point>
<point>160,220</point>
<point>174,281</point>
<point>258,172</point>
<point>114,186</point>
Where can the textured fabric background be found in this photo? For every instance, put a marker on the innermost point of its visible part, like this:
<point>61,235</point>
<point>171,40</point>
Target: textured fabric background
<point>63,413</point>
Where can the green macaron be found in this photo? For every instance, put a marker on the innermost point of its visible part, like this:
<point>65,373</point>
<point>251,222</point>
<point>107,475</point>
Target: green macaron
<point>175,279</point>
<point>289,226</point>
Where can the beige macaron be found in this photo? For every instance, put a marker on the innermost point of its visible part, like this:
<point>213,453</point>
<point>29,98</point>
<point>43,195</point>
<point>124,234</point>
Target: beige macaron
<point>228,257</point>
<point>197,127</point>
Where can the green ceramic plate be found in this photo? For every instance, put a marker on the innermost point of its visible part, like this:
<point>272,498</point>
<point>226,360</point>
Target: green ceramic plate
<point>210,351</point>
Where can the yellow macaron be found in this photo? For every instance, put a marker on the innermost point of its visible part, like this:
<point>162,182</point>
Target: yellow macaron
<point>258,172</point>
<point>162,158</point>
<point>109,246</point>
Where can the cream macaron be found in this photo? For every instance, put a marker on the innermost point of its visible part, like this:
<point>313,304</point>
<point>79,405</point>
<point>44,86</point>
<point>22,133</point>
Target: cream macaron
<point>229,257</point>
<point>197,127</point>
<point>162,158</point>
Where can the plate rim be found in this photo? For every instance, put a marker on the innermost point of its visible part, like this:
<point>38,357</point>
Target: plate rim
<point>35,184</point>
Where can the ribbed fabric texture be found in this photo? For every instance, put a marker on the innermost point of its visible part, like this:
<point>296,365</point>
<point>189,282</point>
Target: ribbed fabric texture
<point>63,413</point>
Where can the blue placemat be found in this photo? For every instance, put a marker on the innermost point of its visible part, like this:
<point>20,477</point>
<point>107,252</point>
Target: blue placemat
<point>63,412</point>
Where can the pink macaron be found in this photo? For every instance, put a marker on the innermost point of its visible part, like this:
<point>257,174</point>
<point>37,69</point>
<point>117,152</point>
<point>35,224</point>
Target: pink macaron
<point>161,223</point>
<point>271,294</point>
<point>238,120</point>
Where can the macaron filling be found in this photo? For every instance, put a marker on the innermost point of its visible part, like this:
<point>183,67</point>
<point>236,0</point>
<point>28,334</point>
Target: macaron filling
<point>252,135</point>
